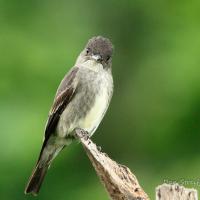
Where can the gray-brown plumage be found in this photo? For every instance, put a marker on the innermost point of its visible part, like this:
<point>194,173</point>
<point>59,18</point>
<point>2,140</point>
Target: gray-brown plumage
<point>80,102</point>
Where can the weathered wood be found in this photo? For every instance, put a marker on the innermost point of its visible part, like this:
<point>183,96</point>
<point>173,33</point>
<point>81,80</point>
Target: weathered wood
<point>175,192</point>
<point>119,181</point>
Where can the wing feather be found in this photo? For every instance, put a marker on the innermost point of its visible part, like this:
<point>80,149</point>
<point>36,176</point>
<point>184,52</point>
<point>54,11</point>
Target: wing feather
<point>64,95</point>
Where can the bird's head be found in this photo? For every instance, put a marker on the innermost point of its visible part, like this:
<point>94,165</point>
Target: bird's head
<point>98,49</point>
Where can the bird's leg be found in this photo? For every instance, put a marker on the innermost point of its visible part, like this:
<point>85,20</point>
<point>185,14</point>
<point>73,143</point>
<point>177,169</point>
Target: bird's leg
<point>80,133</point>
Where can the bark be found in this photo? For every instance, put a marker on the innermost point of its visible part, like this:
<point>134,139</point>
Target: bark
<point>175,192</point>
<point>119,181</point>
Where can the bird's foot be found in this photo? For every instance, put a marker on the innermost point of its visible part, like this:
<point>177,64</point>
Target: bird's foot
<point>80,133</point>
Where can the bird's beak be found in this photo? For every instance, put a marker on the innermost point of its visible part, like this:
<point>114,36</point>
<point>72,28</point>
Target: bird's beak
<point>97,57</point>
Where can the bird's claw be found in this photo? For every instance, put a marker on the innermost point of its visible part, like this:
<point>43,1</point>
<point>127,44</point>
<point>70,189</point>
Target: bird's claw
<point>82,133</point>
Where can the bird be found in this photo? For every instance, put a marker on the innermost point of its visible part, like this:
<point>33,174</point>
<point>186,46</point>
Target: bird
<point>81,102</point>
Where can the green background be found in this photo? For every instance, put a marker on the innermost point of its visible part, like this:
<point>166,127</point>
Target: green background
<point>153,123</point>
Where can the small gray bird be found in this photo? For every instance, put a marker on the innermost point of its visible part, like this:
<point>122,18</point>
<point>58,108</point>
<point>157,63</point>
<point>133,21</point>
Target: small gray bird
<point>81,102</point>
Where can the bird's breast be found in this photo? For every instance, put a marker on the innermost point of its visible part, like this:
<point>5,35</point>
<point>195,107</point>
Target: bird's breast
<point>96,111</point>
<point>89,104</point>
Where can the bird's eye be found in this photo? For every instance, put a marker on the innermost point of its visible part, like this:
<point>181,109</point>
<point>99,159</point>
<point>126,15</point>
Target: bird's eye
<point>108,57</point>
<point>87,50</point>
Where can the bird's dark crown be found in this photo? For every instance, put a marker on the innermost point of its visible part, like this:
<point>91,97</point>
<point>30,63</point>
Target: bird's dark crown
<point>100,46</point>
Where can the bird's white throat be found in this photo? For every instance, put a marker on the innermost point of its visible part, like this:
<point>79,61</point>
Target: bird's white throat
<point>92,65</point>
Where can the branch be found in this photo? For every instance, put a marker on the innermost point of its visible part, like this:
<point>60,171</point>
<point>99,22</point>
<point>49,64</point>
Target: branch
<point>175,192</point>
<point>119,181</point>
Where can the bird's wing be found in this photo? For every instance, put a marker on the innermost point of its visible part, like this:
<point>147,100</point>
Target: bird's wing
<point>64,95</point>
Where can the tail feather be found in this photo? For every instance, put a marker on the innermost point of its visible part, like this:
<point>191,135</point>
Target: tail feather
<point>36,179</point>
<point>47,154</point>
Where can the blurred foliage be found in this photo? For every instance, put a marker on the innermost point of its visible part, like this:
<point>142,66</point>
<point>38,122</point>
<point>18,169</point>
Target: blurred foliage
<point>153,123</point>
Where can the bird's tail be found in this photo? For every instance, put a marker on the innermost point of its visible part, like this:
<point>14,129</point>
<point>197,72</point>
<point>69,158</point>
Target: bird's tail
<point>36,179</point>
<point>47,154</point>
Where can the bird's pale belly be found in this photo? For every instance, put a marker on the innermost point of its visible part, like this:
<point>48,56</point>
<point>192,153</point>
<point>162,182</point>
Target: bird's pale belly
<point>93,118</point>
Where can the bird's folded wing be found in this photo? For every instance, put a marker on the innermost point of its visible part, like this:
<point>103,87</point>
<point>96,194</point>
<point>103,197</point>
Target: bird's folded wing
<point>64,95</point>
